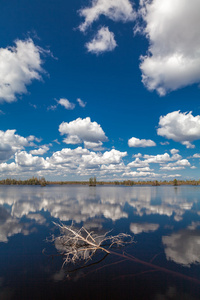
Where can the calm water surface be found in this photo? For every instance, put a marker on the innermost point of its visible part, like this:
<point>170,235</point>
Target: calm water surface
<point>165,223</point>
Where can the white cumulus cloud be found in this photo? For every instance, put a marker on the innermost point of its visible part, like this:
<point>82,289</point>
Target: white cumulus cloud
<point>10,169</point>
<point>173,59</point>
<point>135,142</point>
<point>181,162</point>
<point>188,145</point>
<point>174,151</point>
<point>40,151</point>
<point>171,176</point>
<point>116,10</point>
<point>24,159</point>
<point>103,41</point>
<point>32,138</point>
<point>178,165</point>
<point>172,168</point>
<point>137,163</point>
<point>135,174</point>
<point>94,146</point>
<point>84,162</point>
<point>82,130</point>
<point>145,169</point>
<point>19,66</point>
<point>66,103</point>
<point>138,155</point>
<point>160,158</point>
<point>11,143</point>
<point>67,156</point>
<point>107,158</point>
<point>180,127</point>
<point>142,163</point>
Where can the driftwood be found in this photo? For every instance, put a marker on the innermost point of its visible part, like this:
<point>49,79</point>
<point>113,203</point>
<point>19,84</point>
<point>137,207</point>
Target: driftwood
<point>81,245</point>
<point>76,245</point>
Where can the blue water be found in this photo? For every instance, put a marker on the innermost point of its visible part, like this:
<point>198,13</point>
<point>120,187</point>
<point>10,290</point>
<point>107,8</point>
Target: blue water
<point>165,255</point>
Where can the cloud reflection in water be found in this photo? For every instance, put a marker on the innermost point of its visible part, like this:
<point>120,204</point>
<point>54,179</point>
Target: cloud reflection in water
<point>93,206</point>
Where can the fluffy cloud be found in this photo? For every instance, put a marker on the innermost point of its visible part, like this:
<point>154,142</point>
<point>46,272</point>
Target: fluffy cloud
<point>19,65</point>
<point>173,59</point>
<point>116,10</point>
<point>24,159</point>
<point>180,127</point>
<point>178,165</point>
<point>172,176</point>
<point>94,146</point>
<point>196,155</point>
<point>102,42</point>
<point>113,168</point>
<point>83,162</point>
<point>66,156</point>
<point>160,158</point>
<point>138,155</point>
<point>72,139</point>
<point>139,174</point>
<point>174,151</point>
<point>9,169</point>
<point>80,161</point>
<point>108,157</point>
<point>143,165</point>
<point>137,163</point>
<point>168,168</point>
<point>82,130</point>
<point>10,143</point>
<point>66,104</point>
<point>32,138</point>
<point>40,151</point>
<point>145,169</point>
<point>134,142</point>
<point>188,145</point>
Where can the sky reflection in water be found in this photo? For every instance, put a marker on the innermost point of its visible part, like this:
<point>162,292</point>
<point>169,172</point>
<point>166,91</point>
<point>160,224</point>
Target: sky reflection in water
<point>165,222</point>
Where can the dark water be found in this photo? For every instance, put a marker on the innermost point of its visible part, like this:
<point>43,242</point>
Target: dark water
<point>165,223</point>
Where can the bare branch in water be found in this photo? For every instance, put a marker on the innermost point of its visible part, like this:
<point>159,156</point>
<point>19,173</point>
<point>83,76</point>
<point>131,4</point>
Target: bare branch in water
<point>80,245</point>
<point>76,245</point>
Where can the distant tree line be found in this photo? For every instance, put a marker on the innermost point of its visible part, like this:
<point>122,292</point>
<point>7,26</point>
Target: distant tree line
<point>30,181</point>
<point>174,182</point>
<point>93,182</point>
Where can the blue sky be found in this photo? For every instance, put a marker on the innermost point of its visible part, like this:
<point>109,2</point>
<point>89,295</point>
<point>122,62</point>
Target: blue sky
<point>107,88</point>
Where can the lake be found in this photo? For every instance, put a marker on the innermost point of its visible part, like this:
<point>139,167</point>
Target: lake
<point>161,263</point>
